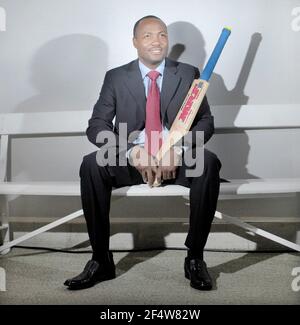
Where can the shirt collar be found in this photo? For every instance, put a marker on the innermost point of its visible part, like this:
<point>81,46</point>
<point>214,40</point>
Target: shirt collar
<point>144,70</point>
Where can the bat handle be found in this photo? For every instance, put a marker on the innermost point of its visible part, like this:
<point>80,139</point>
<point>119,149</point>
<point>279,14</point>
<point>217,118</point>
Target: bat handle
<point>156,183</point>
<point>173,137</point>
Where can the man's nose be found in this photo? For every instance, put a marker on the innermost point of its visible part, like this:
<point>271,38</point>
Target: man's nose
<point>155,40</point>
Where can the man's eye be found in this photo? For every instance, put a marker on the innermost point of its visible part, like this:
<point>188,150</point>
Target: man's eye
<point>146,35</point>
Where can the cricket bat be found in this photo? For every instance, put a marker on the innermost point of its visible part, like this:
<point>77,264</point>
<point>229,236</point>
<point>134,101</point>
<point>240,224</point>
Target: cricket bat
<point>193,100</point>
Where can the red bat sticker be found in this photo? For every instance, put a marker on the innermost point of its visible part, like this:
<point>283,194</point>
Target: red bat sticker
<point>189,103</point>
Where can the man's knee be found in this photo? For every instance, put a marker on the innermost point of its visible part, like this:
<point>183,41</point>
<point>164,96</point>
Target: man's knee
<point>211,161</point>
<point>203,161</point>
<point>88,163</point>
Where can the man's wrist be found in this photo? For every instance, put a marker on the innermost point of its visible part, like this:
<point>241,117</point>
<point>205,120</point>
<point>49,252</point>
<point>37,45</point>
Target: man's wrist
<point>128,152</point>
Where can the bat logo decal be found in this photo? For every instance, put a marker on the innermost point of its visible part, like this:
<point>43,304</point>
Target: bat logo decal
<point>189,103</point>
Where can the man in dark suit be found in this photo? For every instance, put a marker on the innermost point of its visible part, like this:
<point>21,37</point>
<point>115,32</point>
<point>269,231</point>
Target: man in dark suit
<point>126,95</point>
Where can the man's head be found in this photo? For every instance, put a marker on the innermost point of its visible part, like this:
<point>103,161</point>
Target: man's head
<point>150,38</point>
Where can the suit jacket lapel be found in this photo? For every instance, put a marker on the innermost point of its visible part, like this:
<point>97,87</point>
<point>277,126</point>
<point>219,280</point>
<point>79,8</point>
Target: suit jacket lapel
<point>170,84</point>
<point>136,86</point>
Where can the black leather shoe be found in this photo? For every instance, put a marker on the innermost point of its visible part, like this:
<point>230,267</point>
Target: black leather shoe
<point>93,273</point>
<point>196,271</point>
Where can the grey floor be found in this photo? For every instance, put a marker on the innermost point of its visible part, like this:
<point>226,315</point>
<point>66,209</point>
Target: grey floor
<point>153,277</point>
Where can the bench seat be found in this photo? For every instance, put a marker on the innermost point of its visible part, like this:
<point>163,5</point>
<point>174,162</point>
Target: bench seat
<point>233,187</point>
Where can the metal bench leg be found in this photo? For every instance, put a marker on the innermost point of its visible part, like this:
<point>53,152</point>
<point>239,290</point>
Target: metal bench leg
<point>4,225</point>
<point>41,230</point>
<point>4,228</point>
<point>257,231</point>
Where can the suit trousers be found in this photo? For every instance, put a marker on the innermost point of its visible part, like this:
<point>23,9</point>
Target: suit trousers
<point>97,182</point>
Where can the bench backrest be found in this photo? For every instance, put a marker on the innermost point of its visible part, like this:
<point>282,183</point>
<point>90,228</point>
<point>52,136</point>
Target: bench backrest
<point>47,123</point>
<point>226,117</point>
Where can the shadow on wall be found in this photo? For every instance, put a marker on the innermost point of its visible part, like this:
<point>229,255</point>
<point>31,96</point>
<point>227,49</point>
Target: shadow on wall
<point>187,45</point>
<point>67,74</point>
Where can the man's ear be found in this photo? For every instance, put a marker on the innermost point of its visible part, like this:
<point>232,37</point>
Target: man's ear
<point>134,42</point>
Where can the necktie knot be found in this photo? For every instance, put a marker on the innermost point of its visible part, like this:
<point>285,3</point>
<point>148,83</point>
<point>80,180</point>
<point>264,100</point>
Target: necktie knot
<point>153,75</point>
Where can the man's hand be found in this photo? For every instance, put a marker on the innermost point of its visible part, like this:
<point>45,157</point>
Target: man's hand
<point>168,165</point>
<point>146,164</point>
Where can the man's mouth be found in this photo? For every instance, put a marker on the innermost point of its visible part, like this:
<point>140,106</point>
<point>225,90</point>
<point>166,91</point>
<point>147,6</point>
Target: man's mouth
<point>156,50</point>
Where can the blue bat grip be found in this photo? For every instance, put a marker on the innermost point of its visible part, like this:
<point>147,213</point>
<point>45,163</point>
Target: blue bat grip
<point>208,70</point>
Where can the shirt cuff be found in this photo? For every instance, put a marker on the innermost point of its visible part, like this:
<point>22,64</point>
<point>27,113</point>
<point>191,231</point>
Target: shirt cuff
<point>128,152</point>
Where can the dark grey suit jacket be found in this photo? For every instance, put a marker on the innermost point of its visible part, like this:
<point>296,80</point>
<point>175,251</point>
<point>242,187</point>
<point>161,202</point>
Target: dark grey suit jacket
<point>123,96</point>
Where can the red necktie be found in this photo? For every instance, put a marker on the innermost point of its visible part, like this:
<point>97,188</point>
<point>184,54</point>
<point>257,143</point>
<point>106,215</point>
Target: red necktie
<point>153,122</point>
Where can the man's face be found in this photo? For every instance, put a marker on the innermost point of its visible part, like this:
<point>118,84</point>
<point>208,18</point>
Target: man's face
<point>151,42</point>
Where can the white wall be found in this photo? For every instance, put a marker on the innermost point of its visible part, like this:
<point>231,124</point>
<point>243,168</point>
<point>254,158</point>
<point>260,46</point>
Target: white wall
<point>54,54</point>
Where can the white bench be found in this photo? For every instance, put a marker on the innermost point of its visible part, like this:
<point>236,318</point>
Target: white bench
<point>227,119</point>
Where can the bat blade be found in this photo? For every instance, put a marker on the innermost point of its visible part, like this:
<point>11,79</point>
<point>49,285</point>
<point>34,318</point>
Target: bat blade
<point>185,116</point>
<point>188,111</point>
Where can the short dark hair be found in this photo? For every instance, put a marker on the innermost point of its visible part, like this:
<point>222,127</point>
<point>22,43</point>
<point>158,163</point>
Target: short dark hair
<point>140,20</point>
